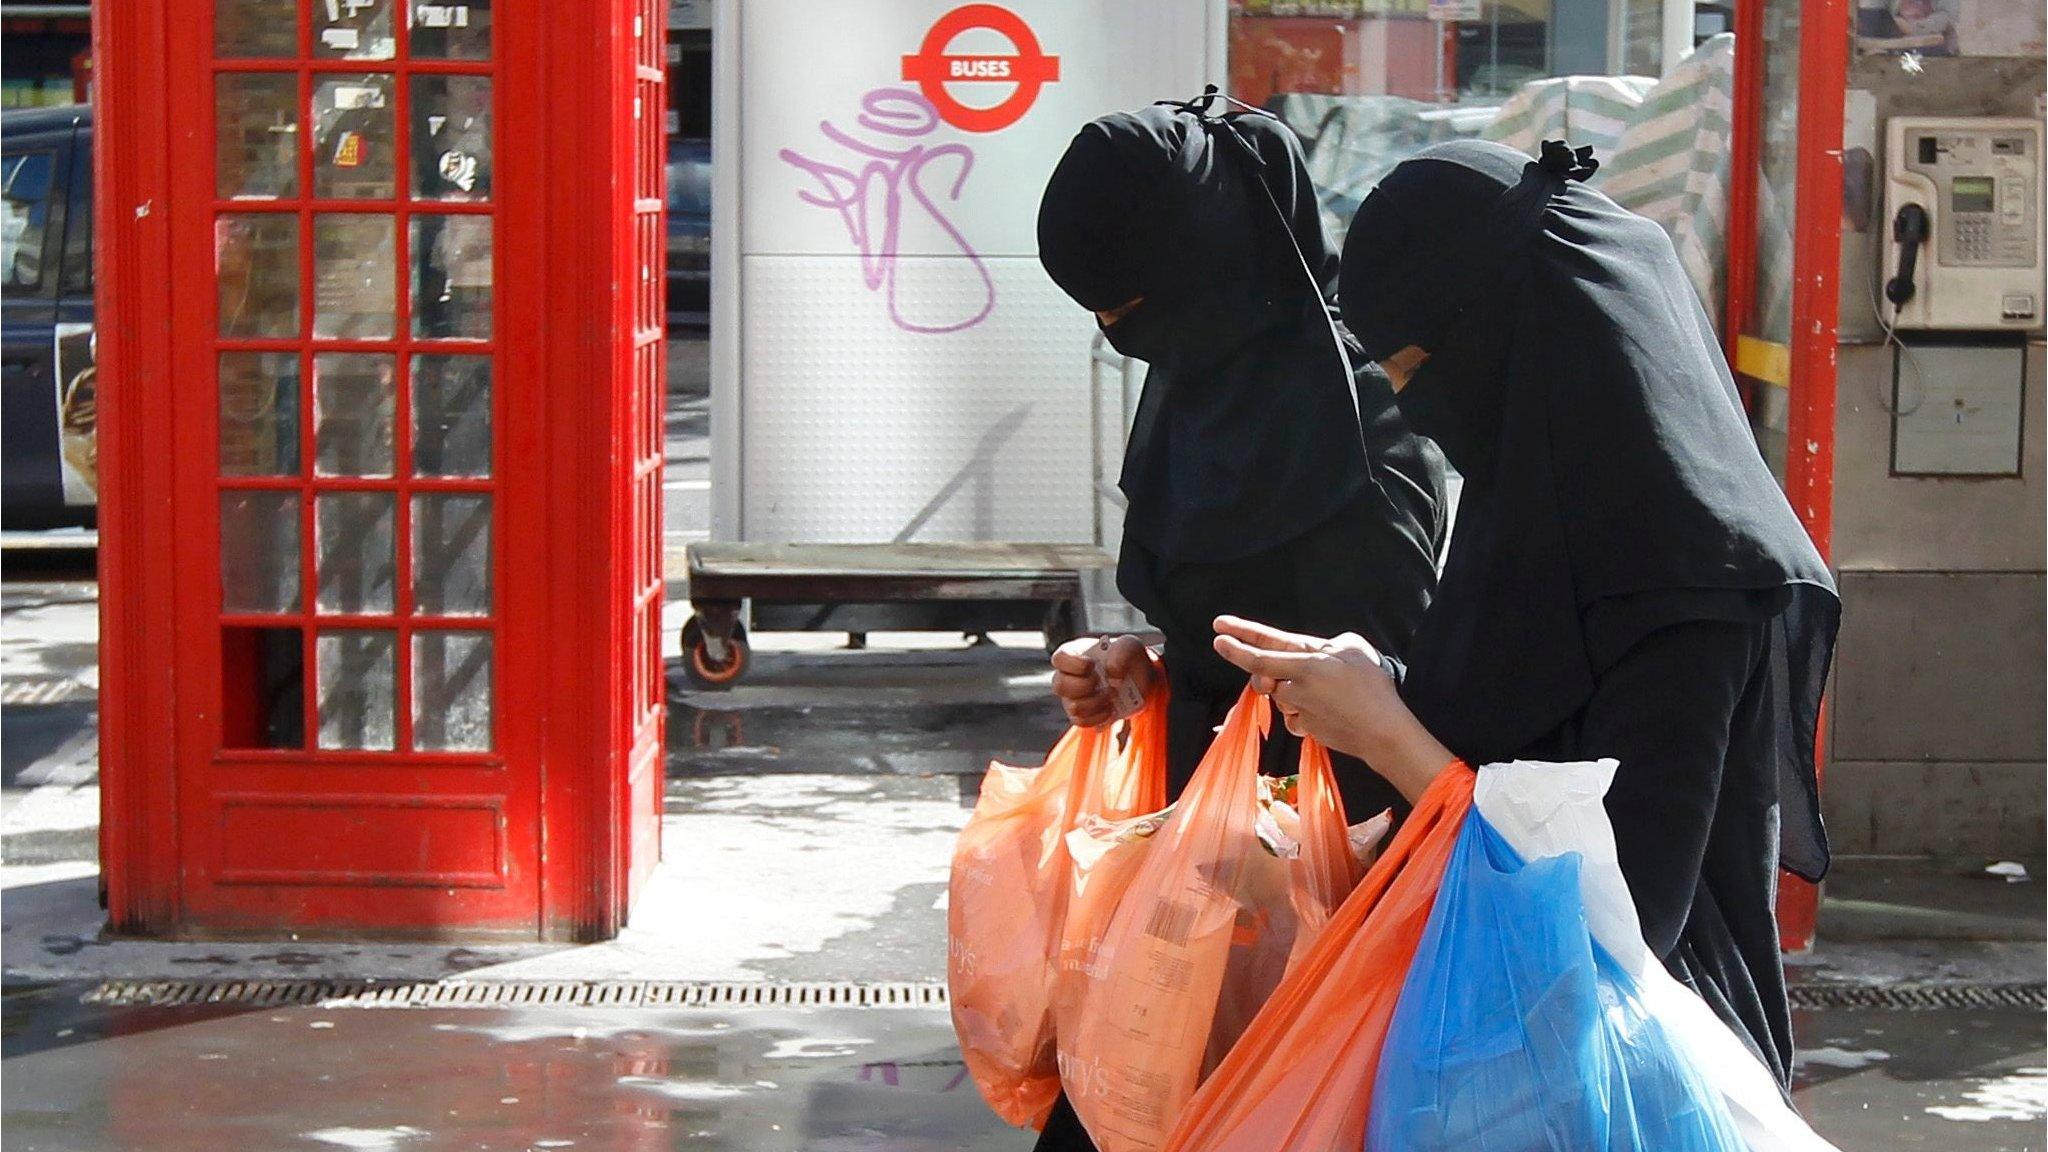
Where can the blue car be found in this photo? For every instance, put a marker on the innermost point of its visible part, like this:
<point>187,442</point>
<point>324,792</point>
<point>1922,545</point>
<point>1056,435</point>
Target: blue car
<point>49,446</point>
<point>689,232</point>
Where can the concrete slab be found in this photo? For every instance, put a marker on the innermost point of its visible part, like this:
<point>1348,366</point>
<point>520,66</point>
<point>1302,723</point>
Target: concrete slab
<point>1894,898</point>
<point>781,877</point>
<point>1978,810</point>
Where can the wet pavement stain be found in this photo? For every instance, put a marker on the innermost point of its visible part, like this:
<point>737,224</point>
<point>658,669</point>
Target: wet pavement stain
<point>482,1081</point>
<point>845,1080</point>
<point>1943,1081</point>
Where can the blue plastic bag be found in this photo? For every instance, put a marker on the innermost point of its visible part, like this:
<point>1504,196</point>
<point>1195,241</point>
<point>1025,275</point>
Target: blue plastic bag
<point>1517,1032</point>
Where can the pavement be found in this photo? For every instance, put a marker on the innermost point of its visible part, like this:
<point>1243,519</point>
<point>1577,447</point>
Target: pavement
<point>810,814</point>
<point>763,1080</point>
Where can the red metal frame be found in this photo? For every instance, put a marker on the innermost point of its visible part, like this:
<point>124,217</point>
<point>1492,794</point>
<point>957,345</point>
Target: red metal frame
<point>131,163</point>
<point>1816,265</point>
<point>549,832</point>
<point>1810,420</point>
<point>592,865</point>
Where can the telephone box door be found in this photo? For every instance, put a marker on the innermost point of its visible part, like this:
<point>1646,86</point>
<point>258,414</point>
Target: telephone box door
<point>352,563</point>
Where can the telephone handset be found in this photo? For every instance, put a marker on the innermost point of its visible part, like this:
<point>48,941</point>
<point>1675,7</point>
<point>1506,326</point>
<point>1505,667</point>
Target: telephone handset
<point>1963,195</point>
<point>1909,232</point>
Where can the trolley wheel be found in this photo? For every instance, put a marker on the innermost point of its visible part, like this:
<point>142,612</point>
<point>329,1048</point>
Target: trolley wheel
<point>1062,623</point>
<point>706,671</point>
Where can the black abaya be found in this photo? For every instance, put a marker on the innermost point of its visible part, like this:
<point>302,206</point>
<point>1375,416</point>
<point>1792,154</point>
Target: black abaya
<point>1687,711</point>
<point>1626,579</point>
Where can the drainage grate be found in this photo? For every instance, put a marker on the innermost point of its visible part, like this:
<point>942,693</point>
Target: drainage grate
<point>511,994</point>
<point>1918,997</point>
<point>687,994</point>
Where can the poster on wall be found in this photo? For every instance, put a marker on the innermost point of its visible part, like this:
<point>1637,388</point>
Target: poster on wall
<point>2002,28</point>
<point>77,414</point>
<point>1951,27</point>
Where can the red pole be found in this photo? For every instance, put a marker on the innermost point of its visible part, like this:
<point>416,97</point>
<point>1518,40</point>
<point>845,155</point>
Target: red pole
<point>1816,264</point>
<point>1447,51</point>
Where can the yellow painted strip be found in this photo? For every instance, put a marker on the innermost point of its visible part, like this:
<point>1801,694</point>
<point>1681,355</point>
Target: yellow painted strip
<point>1764,360</point>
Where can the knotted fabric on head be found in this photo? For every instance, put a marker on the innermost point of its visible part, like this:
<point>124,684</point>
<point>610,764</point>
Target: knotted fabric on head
<point>1436,236</point>
<point>1434,257</point>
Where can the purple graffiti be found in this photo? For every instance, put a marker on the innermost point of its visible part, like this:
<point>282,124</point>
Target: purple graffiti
<point>875,222</point>
<point>889,1072</point>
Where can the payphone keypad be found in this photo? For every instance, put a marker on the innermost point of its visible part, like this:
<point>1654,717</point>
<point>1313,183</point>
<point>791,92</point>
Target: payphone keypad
<point>1973,238</point>
<point>1989,197</point>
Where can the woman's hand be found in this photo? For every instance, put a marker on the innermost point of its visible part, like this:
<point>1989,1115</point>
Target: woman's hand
<point>1335,691</point>
<point>1101,681</point>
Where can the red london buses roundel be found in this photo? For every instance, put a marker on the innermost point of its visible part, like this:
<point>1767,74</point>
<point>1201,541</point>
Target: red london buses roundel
<point>934,69</point>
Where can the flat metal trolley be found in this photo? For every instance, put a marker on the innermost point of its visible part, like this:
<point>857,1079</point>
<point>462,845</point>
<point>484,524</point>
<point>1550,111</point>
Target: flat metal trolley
<point>858,588</point>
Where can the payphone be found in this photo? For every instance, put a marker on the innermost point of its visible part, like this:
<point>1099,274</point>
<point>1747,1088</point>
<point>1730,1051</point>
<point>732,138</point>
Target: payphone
<point>1962,290</point>
<point>1963,212</point>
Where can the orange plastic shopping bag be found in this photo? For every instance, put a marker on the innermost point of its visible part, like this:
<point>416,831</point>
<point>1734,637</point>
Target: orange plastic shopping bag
<point>1300,1078</point>
<point>1197,938</point>
<point>1326,863</point>
<point>1007,900</point>
<point>1106,849</point>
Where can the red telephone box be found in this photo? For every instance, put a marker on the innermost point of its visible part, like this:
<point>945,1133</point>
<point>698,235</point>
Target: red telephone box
<point>381,318</point>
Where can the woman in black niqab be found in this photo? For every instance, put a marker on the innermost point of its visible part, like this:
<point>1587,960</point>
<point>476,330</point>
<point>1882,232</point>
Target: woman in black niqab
<point>1257,479</point>
<point>1625,578</point>
<point>1259,482</point>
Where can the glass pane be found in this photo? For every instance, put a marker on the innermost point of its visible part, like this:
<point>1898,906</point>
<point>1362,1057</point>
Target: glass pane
<point>256,135</point>
<point>357,553</point>
<point>77,275</point>
<point>451,404</point>
<point>259,414</point>
<point>262,690</point>
<point>1770,318</point>
<point>354,138</point>
<point>358,674</point>
<point>354,395</point>
<point>445,31</point>
<point>259,551</point>
<point>451,691</point>
<point>451,277</point>
<point>451,554</point>
<point>355,262</point>
<point>26,178</point>
<point>1366,85</point>
<point>353,30</point>
<point>244,29</point>
<point>451,137</point>
<point>256,265</point>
